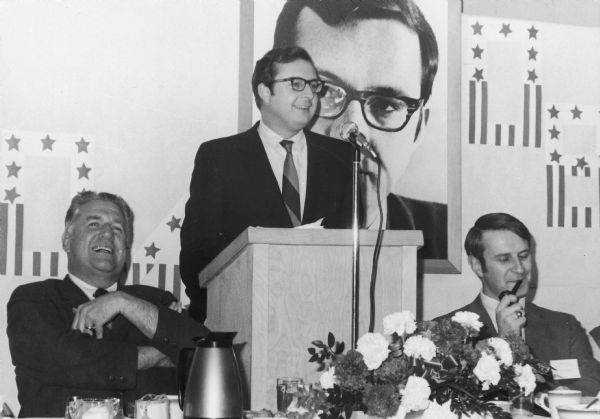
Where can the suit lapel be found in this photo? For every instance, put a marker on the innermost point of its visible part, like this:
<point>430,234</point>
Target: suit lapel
<point>487,330</point>
<point>71,292</point>
<point>316,170</point>
<point>263,181</point>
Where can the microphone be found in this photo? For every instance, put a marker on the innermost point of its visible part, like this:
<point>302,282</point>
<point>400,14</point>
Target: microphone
<point>349,132</point>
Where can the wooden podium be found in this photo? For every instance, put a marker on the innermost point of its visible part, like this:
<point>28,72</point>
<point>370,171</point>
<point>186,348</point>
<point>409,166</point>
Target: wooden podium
<point>282,288</point>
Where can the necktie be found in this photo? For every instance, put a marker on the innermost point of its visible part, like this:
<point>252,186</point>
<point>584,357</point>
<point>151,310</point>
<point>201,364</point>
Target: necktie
<point>289,185</point>
<point>100,292</point>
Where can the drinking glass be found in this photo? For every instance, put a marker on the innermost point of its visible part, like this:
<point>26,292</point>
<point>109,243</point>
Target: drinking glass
<point>522,406</point>
<point>287,391</point>
<point>90,408</point>
<point>152,406</point>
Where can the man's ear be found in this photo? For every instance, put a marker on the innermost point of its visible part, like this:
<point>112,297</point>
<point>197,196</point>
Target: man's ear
<point>476,266</point>
<point>264,92</point>
<point>66,240</point>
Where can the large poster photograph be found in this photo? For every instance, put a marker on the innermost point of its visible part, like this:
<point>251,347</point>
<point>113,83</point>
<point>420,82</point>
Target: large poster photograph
<point>386,69</point>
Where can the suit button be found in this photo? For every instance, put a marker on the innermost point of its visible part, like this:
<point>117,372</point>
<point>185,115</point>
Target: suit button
<point>111,378</point>
<point>166,339</point>
<point>121,379</point>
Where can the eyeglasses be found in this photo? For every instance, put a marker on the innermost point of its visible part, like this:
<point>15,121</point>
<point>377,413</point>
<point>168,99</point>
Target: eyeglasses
<point>386,113</point>
<point>299,84</point>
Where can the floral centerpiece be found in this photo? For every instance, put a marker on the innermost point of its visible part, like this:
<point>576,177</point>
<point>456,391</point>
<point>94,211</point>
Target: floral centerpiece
<point>433,367</point>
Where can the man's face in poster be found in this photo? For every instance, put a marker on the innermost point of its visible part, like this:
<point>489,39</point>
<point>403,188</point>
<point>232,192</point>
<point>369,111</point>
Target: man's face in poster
<point>377,56</point>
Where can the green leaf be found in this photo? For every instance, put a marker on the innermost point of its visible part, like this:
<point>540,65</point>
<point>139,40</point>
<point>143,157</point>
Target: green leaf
<point>311,351</point>
<point>314,358</point>
<point>340,348</point>
<point>318,343</point>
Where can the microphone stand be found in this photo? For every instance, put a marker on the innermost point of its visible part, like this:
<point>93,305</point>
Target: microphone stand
<point>355,245</point>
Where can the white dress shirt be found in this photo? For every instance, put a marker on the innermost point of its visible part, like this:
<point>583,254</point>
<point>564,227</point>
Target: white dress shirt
<point>88,289</point>
<point>276,154</point>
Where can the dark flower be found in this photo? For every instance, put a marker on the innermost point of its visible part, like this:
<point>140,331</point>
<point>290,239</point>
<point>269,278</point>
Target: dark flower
<point>351,370</point>
<point>381,400</point>
<point>448,336</point>
<point>394,370</point>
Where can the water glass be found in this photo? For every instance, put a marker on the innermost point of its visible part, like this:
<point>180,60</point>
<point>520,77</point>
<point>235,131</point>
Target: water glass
<point>152,406</point>
<point>90,408</point>
<point>522,406</point>
<point>287,391</point>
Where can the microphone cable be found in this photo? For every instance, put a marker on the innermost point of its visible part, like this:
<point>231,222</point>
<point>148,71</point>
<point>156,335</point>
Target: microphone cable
<point>376,251</point>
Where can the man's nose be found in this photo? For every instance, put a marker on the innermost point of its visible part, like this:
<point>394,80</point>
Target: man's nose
<point>354,113</point>
<point>107,231</point>
<point>518,266</point>
<point>307,91</point>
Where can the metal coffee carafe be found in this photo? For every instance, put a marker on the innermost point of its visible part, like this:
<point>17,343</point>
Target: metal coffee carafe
<point>213,386</point>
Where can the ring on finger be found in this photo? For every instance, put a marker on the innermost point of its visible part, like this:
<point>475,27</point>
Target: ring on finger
<point>519,314</point>
<point>89,328</point>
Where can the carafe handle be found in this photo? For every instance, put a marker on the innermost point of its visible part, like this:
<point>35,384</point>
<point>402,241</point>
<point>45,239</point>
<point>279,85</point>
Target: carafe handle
<point>186,355</point>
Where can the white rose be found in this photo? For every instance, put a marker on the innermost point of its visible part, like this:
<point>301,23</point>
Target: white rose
<point>436,411</point>
<point>467,319</point>
<point>328,378</point>
<point>399,322</point>
<point>415,396</point>
<point>502,350</point>
<point>487,370</point>
<point>525,378</point>
<point>374,349</point>
<point>420,347</point>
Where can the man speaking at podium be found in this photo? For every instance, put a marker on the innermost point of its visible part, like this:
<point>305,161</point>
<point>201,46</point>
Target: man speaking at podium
<point>276,174</point>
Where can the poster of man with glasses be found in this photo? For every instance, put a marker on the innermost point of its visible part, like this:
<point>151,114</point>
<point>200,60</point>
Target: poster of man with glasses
<point>384,65</point>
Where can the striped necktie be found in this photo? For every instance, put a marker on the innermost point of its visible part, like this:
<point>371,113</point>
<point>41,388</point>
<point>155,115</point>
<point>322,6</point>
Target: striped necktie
<point>289,185</point>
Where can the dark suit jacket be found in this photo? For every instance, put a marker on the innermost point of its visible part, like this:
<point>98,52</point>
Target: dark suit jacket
<point>431,217</point>
<point>233,187</point>
<point>551,335</point>
<point>53,362</point>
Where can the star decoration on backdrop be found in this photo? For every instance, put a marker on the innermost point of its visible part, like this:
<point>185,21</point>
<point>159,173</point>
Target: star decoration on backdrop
<point>82,146</point>
<point>47,143</point>
<point>13,169</point>
<point>554,132</point>
<point>477,51</point>
<point>555,156</point>
<point>532,54</point>
<point>553,112</point>
<point>151,250</point>
<point>581,163</point>
<point>478,75</point>
<point>532,32</point>
<point>576,113</point>
<point>477,28</point>
<point>532,76</point>
<point>11,195</point>
<point>13,143</point>
<point>174,223</point>
<point>83,171</point>
<point>505,29</point>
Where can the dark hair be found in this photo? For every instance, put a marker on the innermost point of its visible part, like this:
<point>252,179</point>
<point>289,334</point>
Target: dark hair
<point>84,197</point>
<point>490,222</point>
<point>346,12</point>
<point>265,69</point>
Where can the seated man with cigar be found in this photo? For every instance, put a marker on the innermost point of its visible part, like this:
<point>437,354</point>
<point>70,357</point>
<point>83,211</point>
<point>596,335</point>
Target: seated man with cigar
<point>500,251</point>
<point>88,335</point>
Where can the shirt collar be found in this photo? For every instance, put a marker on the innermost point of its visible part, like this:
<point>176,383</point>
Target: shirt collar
<point>272,139</point>
<point>88,289</point>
